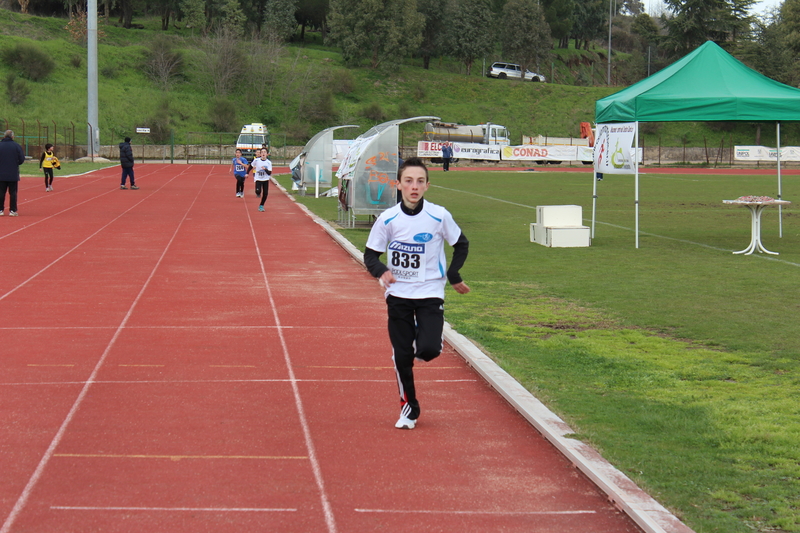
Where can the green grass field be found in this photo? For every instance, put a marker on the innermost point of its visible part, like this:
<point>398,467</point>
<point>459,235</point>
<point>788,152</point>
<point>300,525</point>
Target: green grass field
<point>679,361</point>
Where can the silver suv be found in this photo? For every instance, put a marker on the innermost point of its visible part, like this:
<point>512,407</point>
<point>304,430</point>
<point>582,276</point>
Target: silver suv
<point>512,70</point>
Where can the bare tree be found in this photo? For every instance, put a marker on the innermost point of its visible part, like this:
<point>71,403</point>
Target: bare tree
<point>224,64</point>
<point>263,58</point>
<point>164,64</point>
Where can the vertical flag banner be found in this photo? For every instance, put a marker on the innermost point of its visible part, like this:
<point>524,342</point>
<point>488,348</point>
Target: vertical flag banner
<point>613,148</point>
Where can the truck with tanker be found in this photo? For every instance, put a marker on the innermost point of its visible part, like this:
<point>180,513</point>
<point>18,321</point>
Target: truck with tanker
<point>480,133</point>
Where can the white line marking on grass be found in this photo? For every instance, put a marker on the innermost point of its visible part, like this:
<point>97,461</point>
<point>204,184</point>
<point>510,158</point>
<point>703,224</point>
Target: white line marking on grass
<point>178,509</point>
<point>312,454</point>
<point>37,474</point>
<point>684,241</point>
<point>496,513</point>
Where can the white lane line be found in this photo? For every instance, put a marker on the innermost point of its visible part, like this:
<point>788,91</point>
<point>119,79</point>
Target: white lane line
<point>204,328</point>
<point>189,381</point>
<point>496,513</point>
<point>65,254</point>
<point>312,454</point>
<point>684,241</point>
<point>30,225</point>
<point>179,509</point>
<point>37,474</point>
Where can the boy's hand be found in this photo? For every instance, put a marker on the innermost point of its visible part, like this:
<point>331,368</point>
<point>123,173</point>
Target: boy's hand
<point>387,279</point>
<point>461,288</point>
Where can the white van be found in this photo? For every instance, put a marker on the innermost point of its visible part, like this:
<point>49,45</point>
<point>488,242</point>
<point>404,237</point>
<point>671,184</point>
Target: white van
<point>252,137</point>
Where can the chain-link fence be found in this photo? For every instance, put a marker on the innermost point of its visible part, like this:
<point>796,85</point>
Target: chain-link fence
<point>33,135</point>
<point>70,141</point>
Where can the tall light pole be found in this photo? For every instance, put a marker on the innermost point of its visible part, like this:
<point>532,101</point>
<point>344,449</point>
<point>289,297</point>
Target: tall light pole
<point>610,16</point>
<point>93,137</point>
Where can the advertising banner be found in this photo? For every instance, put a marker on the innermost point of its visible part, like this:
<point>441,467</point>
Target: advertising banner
<point>613,148</point>
<point>763,153</point>
<point>348,164</point>
<point>487,152</point>
<point>528,152</point>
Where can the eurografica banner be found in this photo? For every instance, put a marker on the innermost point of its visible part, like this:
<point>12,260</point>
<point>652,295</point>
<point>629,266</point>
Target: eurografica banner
<point>486,152</point>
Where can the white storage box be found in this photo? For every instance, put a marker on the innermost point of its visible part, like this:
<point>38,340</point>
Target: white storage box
<point>560,226</point>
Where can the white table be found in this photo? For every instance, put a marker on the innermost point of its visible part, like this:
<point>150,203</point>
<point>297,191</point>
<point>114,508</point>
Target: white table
<point>755,226</point>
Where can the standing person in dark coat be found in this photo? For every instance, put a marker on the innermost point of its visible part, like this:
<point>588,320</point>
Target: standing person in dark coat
<point>447,155</point>
<point>11,157</point>
<point>126,160</point>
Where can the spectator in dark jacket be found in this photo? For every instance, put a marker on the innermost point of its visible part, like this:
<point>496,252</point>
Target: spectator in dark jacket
<point>126,160</point>
<point>11,157</point>
<point>447,155</point>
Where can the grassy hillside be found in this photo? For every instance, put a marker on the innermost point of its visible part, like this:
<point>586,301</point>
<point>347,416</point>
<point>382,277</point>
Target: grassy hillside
<point>312,89</point>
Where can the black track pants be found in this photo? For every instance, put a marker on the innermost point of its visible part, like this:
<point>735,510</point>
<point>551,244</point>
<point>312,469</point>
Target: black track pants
<point>415,330</point>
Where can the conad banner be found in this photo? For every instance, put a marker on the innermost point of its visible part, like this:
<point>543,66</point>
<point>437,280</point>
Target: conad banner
<point>486,152</point>
<point>530,152</point>
<point>762,153</point>
<point>613,148</point>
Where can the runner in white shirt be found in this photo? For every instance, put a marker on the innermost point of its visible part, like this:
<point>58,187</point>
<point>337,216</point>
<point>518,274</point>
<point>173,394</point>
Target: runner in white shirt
<point>262,170</point>
<point>413,233</point>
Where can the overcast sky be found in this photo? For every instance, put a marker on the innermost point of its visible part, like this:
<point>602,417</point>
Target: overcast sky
<point>653,7</point>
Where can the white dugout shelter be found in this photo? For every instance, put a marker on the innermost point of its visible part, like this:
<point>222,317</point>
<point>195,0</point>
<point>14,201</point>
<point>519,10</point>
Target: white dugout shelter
<point>316,160</point>
<point>368,173</point>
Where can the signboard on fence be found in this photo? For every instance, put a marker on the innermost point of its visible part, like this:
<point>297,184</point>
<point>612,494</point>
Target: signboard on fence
<point>763,153</point>
<point>486,152</point>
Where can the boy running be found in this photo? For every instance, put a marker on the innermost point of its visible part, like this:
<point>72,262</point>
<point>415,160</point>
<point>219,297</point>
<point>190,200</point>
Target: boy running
<point>262,170</point>
<point>239,168</point>
<point>413,232</point>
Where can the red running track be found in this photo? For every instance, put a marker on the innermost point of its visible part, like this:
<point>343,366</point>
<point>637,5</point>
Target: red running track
<point>176,361</point>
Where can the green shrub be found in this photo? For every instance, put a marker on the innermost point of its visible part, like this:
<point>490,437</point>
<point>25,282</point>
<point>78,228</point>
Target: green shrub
<point>222,115</point>
<point>110,71</point>
<point>418,92</point>
<point>17,89</point>
<point>374,112</point>
<point>342,82</point>
<point>31,61</point>
<point>160,123</point>
<point>76,60</point>
<point>319,106</point>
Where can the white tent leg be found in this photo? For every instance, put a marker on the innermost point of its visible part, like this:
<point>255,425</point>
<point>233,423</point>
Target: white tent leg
<point>780,210</point>
<point>594,199</point>
<point>636,168</point>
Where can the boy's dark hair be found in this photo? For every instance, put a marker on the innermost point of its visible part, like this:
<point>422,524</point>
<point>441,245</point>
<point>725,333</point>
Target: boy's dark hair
<point>48,146</point>
<point>412,162</point>
<point>127,139</point>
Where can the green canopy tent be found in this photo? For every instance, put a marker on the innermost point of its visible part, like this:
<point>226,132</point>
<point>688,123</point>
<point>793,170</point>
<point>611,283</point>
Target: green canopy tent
<point>709,84</point>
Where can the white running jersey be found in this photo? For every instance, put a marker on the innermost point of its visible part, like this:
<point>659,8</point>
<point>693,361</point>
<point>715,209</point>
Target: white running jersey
<point>260,168</point>
<point>415,247</point>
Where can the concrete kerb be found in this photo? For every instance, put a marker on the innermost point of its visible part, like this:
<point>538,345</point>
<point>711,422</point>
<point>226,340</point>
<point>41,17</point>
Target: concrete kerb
<point>648,514</point>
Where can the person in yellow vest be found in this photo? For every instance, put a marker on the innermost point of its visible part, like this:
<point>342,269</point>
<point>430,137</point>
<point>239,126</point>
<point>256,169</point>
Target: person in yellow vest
<point>48,162</point>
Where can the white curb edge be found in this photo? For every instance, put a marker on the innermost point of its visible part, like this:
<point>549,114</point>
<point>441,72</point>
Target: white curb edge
<point>648,514</point>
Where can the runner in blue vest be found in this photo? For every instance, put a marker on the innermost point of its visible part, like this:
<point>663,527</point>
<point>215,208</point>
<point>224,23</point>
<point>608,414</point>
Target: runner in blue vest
<point>239,168</point>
